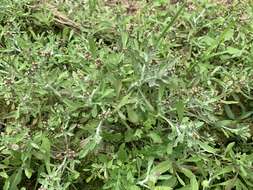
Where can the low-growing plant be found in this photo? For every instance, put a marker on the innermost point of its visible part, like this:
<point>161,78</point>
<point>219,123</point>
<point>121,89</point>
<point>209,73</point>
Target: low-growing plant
<point>126,95</point>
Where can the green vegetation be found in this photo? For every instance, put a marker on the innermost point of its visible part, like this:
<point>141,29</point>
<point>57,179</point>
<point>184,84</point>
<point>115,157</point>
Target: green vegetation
<point>126,95</point>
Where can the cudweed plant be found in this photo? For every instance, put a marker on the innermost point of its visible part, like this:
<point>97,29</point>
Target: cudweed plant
<point>126,95</point>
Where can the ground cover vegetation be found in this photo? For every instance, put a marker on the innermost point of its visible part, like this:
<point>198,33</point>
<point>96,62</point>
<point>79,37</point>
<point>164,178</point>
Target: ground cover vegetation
<point>126,95</point>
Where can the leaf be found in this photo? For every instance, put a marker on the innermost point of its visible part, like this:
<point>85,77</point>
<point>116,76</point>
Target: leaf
<point>28,173</point>
<point>224,123</point>
<point>208,40</point>
<point>245,115</point>
<point>241,185</point>
<point>92,46</point>
<point>149,105</point>
<point>155,137</point>
<point>90,145</point>
<point>229,112</point>
<point>180,180</point>
<point>73,105</point>
<point>122,154</point>
<point>171,182</point>
<point>75,175</point>
<point>134,187</point>
<point>162,188</point>
<point>162,167</point>
<point>124,39</point>
<point>118,87</point>
<point>7,185</point>
<point>229,148</point>
<point>107,93</point>
<point>180,110</point>
<point>192,177</point>
<point>223,171</point>
<point>15,179</point>
<point>169,148</point>
<point>234,51</point>
<point>125,100</point>
<point>228,102</point>
<point>94,111</point>
<point>207,148</point>
<point>4,175</point>
<point>228,35</point>
<point>34,145</point>
<point>169,25</point>
<point>230,183</point>
<point>138,133</point>
<point>205,183</point>
<point>121,115</point>
<point>46,146</point>
<point>132,115</point>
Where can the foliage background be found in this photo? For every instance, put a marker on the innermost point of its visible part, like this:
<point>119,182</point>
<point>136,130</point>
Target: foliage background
<point>126,95</point>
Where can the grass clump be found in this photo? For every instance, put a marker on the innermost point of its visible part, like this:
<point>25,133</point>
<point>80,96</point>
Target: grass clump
<point>126,95</point>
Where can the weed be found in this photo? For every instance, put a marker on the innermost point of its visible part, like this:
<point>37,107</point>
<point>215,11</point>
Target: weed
<point>106,95</point>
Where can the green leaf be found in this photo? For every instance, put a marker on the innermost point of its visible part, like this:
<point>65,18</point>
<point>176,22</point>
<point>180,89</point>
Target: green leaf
<point>223,171</point>
<point>4,175</point>
<point>94,111</point>
<point>121,115</point>
<point>134,187</point>
<point>122,154</point>
<point>15,179</point>
<point>75,175</point>
<point>125,100</point>
<point>229,148</point>
<point>148,104</point>
<point>180,180</point>
<point>169,25</point>
<point>162,167</point>
<point>229,112</point>
<point>124,39</point>
<point>28,173</point>
<point>34,145</point>
<point>7,185</point>
<point>207,148</point>
<point>155,137</point>
<point>92,46</point>
<point>171,182</point>
<point>118,87</point>
<point>89,146</point>
<point>170,148</point>
<point>162,188</point>
<point>180,110</point>
<point>234,51</point>
<point>205,183</point>
<point>192,177</point>
<point>46,146</point>
<point>132,115</point>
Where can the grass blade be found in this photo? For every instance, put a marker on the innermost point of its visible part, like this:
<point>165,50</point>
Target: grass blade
<point>165,30</point>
